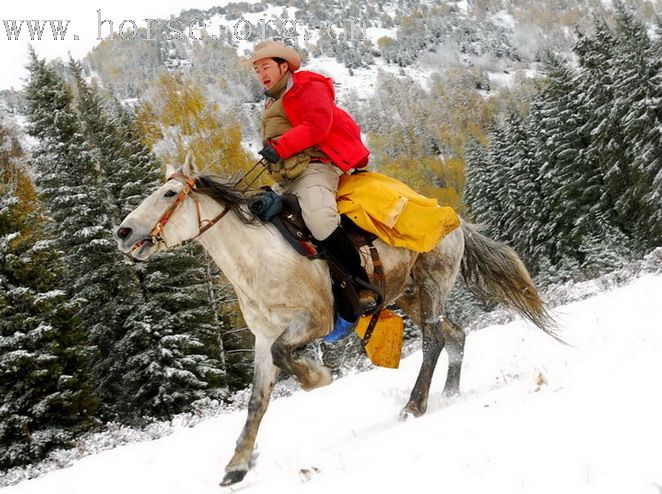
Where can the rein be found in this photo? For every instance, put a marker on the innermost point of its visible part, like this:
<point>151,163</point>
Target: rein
<point>203,225</point>
<point>189,187</point>
<point>243,177</point>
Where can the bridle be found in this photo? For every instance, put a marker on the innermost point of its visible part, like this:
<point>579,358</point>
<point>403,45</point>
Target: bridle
<point>203,225</point>
<point>189,188</point>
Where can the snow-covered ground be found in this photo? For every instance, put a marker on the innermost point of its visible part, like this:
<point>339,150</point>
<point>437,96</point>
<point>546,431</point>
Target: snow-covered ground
<point>534,417</point>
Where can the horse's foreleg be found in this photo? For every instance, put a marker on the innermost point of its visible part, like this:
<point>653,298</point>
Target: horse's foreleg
<point>454,337</point>
<point>309,373</point>
<point>264,379</point>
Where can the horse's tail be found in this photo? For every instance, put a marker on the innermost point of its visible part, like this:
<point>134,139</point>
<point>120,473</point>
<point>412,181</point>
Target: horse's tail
<point>496,271</point>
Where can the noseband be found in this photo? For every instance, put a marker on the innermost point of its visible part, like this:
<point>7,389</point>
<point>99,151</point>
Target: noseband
<point>203,225</point>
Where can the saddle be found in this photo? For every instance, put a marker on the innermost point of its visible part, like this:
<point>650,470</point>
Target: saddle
<point>284,212</point>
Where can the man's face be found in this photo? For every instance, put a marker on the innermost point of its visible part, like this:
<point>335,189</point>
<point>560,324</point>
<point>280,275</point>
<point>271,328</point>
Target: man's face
<point>268,71</point>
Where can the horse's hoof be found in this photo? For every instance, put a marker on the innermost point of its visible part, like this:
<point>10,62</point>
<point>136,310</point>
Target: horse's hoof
<point>317,378</point>
<point>407,412</point>
<point>233,477</point>
<point>451,393</point>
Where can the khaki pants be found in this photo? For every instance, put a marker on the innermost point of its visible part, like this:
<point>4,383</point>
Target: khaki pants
<point>316,190</point>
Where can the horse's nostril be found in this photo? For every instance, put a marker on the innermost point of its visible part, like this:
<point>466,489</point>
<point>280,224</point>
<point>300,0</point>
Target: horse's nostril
<point>124,233</point>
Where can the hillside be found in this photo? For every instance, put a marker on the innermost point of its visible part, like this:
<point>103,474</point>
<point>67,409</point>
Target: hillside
<point>534,416</point>
<point>542,122</point>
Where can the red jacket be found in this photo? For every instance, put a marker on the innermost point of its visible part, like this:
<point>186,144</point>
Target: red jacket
<point>316,120</point>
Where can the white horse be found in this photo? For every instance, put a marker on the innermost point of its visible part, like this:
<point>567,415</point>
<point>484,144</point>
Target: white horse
<point>286,299</point>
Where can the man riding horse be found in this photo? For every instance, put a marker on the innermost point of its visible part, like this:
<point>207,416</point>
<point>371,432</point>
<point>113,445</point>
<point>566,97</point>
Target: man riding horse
<point>308,143</point>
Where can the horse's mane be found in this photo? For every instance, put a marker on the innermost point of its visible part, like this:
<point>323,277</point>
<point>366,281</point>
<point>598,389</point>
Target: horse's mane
<point>226,195</point>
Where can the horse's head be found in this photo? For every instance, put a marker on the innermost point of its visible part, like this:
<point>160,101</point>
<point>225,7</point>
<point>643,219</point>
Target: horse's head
<point>168,217</point>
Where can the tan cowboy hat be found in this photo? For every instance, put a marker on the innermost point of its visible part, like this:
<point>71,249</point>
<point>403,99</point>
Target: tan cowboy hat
<point>271,49</point>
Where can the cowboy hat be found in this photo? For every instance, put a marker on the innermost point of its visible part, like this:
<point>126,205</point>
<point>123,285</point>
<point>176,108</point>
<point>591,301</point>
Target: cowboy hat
<point>274,49</point>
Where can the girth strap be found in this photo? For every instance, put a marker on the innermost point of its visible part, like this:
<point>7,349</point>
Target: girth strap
<point>380,279</point>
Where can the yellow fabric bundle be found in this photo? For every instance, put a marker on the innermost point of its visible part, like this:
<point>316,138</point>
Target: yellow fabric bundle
<point>385,345</point>
<point>394,212</point>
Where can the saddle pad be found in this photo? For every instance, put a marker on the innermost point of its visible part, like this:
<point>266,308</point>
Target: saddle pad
<point>394,212</point>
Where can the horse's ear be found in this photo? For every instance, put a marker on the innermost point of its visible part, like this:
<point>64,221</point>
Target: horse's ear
<point>170,170</point>
<point>190,170</point>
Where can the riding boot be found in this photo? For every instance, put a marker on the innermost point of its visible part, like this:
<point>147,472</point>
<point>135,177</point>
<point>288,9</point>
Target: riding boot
<point>339,246</point>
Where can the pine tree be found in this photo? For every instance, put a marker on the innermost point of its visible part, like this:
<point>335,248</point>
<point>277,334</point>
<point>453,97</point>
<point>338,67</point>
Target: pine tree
<point>523,200</point>
<point>609,76</point>
<point>485,189</point>
<point>559,146</point>
<point>637,106</point>
<point>475,159</point>
<point>46,398</point>
<point>167,353</point>
<point>70,188</point>
<point>602,243</point>
<point>650,152</point>
<point>118,296</point>
<point>156,355</point>
<point>173,359</point>
<point>585,160</point>
<point>198,309</point>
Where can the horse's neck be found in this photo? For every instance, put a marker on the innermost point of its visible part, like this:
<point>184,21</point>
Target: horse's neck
<point>231,243</point>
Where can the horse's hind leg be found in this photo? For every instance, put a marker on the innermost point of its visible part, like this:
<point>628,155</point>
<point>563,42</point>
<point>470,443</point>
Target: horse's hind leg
<point>454,338</point>
<point>433,344</point>
<point>434,275</point>
<point>310,374</point>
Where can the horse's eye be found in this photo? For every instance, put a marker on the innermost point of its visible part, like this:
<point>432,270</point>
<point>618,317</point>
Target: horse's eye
<point>170,193</point>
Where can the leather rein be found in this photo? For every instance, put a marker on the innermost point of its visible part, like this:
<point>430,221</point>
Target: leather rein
<point>203,225</point>
<point>189,188</point>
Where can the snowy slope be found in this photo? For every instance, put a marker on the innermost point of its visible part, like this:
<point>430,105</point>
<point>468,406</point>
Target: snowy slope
<point>534,416</point>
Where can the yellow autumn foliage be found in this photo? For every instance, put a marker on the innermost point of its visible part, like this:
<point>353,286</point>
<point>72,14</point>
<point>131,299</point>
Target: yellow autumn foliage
<point>175,117</point>
<point>14,179</point>
<point>425,148</point>
<point>429,176</point>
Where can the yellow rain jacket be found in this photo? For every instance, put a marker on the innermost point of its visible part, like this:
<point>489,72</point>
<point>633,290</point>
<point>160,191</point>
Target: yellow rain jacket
<point>394,212</point>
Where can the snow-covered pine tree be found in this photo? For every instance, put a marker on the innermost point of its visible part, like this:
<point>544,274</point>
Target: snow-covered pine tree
<point>595,54</point>
<point>119,296</point>
<point>603,247</point>
<point>650,153</point>
<point>202,321</point>
<point>46,397</point>
<point>171,361</point>
<point>168,353</point>
<point>637,103</point>
<point>137,174</point>
<point>604,56</point>
<point>602,243</point>
<point>558,153</point>
<point>485,181</point>
<point>68,180</point>
<point>476,171</point>
<point>523,200</point>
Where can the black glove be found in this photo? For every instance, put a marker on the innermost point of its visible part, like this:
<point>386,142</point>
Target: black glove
<point>266,204</point>
<point>269,153</point>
